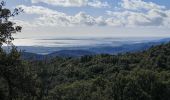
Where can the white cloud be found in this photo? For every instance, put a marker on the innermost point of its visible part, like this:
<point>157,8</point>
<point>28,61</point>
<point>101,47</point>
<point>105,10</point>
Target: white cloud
<point>37,10</point>
<point>48,17</point>
<point>139,13</point>
<point>129,18</point>
<point>131,14</point>
<point>139,5</point>
<point>74,3</point>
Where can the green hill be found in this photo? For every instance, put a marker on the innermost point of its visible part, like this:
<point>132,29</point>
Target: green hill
<point>132,76</point>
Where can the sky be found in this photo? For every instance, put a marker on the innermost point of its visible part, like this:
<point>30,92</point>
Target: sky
<point>46,19</point>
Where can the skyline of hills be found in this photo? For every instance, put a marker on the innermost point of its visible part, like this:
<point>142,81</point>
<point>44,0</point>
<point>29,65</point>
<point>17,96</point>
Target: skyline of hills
<point>82,51</point>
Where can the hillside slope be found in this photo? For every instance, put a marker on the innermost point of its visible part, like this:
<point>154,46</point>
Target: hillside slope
<point>132,76</point>
<point>143,75</point>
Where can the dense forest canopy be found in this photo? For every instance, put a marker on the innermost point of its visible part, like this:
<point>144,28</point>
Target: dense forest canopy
<point>130,76</point>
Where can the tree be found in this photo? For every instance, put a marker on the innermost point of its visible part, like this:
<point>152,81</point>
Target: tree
<point>7,28</point>
<point>10,63</point>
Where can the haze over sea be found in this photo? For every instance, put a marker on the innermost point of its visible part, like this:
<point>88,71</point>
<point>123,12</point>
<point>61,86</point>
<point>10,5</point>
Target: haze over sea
<point>80,42</point>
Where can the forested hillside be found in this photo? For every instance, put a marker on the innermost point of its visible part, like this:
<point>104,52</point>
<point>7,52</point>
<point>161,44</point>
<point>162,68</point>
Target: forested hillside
<point>131,76</point>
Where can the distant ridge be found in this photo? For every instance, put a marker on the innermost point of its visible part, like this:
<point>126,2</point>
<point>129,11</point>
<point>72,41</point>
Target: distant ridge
<point>71,53</point>
<point>62,53</point>
<point>94,50</point>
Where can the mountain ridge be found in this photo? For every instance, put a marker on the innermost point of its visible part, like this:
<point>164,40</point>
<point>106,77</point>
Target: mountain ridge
<point>94,50</point>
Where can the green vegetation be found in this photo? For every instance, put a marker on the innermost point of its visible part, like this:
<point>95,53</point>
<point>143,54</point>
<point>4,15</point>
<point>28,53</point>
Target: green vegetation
<point>131,76</point>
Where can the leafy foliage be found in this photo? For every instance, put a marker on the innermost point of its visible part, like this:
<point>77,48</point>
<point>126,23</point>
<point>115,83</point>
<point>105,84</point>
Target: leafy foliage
<point>131,76</point>
<point>7,27</point>
<point>15,82</point>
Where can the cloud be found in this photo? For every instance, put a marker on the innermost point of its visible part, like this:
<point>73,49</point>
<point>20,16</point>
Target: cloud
<point>131,13</point>
<point>129,18</point>
<point>48,17</point>
<point>37,10</point>
<point>74,3</point>
<point>139,13</point>
<point>139,5</point>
